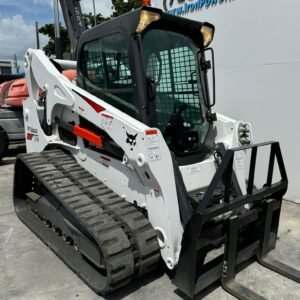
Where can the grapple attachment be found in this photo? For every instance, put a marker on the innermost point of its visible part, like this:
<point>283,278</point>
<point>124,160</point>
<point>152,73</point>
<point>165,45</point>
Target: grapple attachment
<point>235,230</point>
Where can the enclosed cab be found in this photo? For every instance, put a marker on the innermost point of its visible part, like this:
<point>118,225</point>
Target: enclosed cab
<point>152,67</point>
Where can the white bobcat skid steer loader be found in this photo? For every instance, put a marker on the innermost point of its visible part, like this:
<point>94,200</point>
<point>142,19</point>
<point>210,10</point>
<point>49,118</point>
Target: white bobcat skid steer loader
<point>131,165</point>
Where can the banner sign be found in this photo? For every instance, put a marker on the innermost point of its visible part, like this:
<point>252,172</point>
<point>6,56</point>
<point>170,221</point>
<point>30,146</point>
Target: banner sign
<point>189,6</point>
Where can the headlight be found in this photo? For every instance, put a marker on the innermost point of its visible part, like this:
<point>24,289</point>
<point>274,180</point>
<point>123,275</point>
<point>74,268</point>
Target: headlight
<point>146,18</point>
<point>244,132</point>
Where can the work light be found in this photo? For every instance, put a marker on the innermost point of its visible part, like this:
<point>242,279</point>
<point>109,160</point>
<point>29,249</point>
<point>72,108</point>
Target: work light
<point>244,133</point>
<point>207,31</point>
<point>146,18</point>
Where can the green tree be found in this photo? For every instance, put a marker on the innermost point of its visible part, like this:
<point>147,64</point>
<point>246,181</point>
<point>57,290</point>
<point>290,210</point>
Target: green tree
<point>90,20</point>
<point>120,7</point>
<point>49,48</point>
<point>48,30</point>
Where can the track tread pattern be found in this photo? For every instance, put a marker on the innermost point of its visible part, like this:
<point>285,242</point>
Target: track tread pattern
<point>127,240</point>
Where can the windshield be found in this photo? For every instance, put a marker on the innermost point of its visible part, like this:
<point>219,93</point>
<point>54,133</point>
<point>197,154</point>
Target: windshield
<point>171,61</point>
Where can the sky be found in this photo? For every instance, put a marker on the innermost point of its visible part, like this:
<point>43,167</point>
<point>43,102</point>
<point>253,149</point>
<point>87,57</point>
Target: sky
<point>17,23</point>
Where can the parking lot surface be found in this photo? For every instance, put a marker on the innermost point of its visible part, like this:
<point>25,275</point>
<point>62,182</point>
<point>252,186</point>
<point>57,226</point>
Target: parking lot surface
<point>29,270</point>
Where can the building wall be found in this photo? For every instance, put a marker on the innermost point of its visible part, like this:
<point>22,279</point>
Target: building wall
<point>257,49</point>
<point>5,67</point>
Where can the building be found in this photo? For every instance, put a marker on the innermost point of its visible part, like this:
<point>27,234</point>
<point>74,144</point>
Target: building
<point>5,67</point>
<point>257,54</point>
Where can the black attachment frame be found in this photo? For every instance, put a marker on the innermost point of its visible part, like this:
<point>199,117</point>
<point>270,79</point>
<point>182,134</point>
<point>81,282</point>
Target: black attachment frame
<point>242,234</point>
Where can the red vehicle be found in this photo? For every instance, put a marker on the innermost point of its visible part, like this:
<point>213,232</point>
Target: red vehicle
<point>12,94</point>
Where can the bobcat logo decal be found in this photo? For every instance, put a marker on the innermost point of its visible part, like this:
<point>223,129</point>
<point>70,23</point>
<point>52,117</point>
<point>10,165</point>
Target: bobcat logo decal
<point>131,140</point>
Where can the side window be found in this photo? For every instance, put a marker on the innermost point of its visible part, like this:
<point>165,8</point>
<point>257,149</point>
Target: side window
<point>107,73</point>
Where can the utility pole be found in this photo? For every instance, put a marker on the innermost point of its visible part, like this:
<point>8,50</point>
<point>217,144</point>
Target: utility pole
<point>58,45</point>
<point>37,35</point>
<point>94,7</point>
<point>15,63</point>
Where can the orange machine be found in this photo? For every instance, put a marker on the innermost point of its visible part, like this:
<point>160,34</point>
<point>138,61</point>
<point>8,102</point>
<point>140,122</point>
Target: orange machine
<point>12,95</point>
<point>14,92</point>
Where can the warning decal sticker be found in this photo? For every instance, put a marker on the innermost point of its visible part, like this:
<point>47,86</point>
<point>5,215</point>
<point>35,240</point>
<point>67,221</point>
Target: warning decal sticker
<point>153,145</point>
<point>107,121</point>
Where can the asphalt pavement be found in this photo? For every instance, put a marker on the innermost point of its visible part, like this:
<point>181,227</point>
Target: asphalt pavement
<point>30,271</point>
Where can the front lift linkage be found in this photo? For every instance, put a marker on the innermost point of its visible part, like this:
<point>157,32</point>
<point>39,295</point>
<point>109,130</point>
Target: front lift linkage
<point>252,234</point>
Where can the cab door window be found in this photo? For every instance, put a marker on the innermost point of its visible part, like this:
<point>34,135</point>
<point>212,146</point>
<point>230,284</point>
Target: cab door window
<point>107,73</point>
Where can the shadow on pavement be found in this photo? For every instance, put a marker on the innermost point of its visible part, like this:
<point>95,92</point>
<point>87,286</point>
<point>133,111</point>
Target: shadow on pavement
<point>136,285</point>
<point>12,153</point>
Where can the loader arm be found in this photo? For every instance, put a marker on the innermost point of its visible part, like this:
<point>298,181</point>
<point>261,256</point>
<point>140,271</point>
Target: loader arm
<point>145,150</point>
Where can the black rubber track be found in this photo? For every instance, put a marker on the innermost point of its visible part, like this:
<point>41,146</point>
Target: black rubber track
<point>123,234</point>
